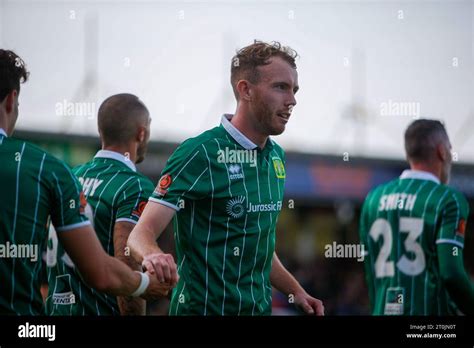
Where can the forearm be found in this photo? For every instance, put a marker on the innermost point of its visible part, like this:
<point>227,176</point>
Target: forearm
<point>283,280</point>
<point>455,278</point>
<point>142,240</point>
<point>128,305</point>
<point>98,269</point>
<point>121,280</point>
<point>461,291</point>
<point>287,284</point>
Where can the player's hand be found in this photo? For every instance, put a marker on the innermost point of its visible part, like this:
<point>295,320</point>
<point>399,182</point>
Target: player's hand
<point>309,304</point>
<point>162,266</point>
<point>156,289</point>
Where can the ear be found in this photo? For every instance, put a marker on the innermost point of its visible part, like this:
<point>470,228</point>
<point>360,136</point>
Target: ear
<point>141,134</point>
<point>10,100</point>
<point>244,89</point>
<point>441,152</point>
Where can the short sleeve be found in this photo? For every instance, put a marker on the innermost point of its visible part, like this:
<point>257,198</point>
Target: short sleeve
<point>453,220</point>
<point>68,201</point>
<point>133,200</point>
<point>185,176</point>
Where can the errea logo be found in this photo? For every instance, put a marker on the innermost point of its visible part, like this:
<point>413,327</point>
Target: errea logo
<point>235,172</point>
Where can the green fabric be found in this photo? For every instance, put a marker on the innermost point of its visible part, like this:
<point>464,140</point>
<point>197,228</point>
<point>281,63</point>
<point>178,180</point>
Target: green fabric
<point>114,192</point>
<point>224,226</point>
<point>36,189</point>
<point>404,223</point>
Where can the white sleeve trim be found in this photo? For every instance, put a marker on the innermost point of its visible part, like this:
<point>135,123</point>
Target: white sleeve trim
<point>73,226</point>
<point>450,241</point>
<point>127,220</point>
<point>160,201</point>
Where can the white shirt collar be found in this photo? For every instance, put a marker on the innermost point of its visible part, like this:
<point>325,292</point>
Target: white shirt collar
<point>245,142</point>
<point>419,174</point>
<point>2,132</point>
<point>116,156</point>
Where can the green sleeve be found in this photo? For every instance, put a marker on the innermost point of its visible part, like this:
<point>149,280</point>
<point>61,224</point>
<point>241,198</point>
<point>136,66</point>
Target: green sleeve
<point>185,176</point>
<point>453,220</point>
<point>133,200</point>
<point>68,201</point>
<point>455,278</point>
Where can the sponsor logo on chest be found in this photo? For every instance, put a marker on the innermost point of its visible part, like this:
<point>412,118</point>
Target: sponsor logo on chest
<point>236,207</point>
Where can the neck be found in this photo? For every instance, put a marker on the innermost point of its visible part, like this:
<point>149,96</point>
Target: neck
<point>430,168</point>
<point>129,150</point>
<point>242,121</point>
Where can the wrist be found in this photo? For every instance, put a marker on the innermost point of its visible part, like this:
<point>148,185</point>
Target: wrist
<point>297,291</point>
<point>143,286</point>
<point>152,251</point>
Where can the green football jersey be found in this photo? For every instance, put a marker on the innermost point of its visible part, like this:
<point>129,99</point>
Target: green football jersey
<point>115,192</point>
<point>401,224</point>
<point>36,189</point>
<point>228,194</point>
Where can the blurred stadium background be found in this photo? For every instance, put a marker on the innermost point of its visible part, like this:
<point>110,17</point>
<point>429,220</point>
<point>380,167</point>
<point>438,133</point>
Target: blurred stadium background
<point>367,69</point>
